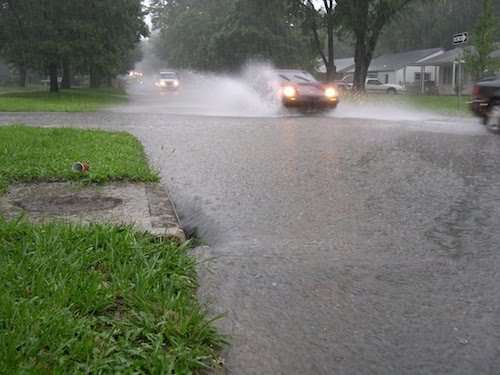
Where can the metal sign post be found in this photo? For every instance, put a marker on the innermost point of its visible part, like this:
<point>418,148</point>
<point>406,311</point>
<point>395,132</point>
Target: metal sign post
<point>460,38</point>
<point>459,76</point>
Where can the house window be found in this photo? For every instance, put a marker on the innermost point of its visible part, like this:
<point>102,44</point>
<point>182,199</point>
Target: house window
<point>427,77</point>
<point>447,75</point>
<point>387,78</point>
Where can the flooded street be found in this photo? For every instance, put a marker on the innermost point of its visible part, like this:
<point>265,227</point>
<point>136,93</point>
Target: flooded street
<point>362,241</point>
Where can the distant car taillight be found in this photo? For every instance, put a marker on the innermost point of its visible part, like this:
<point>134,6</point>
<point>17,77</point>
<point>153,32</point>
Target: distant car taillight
<point>475,91</point>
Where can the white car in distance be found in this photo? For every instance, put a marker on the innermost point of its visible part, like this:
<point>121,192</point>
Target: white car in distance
<point>168,81</point>
<point>373,85</point>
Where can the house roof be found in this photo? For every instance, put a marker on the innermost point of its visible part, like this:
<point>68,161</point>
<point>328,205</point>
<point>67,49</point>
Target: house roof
<point>495,54</point>
<point>344,64</point>
<point>340,64</point>
<point>445,58</point>
<point>449,57</point>
<point>396,61</point>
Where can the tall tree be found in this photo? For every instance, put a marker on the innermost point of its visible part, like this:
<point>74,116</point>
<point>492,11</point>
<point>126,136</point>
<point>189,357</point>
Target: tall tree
<point>222,35</point>
<point>108,30</point>
<point>93,35</point>
<point>22,26</point>
<point>264,30</point>
<point>365,20</point>
<point>317,18</point>
<point>485,33</point>
<point>185,28</point>
<point>428,24</point>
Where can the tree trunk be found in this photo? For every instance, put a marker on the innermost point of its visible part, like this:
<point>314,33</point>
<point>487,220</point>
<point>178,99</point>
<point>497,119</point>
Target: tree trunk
<point>54,85</point>
<point>330,68</point>
<point>23,73</point>
<point>95,79</point>
<point>327,61</point>
<point>361,66</point>
<point>66,79</point>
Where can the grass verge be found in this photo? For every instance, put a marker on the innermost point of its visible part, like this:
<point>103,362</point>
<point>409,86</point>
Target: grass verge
<point>33,153</point>
<point>72,100</point>
<point>8,89</point>
<point>99,299</point>
<point>443,105</point>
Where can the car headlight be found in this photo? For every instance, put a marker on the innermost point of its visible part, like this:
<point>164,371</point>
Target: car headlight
<point>176,83</point>
<point>289,91</point>
<point>163,83</point>
<point>330,92</point>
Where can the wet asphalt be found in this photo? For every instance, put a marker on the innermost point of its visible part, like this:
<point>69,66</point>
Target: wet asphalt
<point>364,241</point>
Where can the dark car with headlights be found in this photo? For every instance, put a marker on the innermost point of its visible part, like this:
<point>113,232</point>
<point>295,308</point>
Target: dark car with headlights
<point>299,89</point>
<point>486,100</point>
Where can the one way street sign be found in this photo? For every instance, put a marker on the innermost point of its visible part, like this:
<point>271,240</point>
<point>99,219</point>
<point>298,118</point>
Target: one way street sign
<point>460,38</point>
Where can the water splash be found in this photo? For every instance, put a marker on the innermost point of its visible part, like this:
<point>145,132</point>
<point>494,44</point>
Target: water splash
<point>210,94</point>
<point>247,94</point>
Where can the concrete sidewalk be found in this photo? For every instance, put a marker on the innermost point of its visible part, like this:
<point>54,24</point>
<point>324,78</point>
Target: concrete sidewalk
<point>145,205</point>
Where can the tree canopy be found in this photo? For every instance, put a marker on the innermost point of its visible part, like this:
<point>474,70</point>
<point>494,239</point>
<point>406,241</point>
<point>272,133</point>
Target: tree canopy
<point>483,37</point>
<point>93,36</point>
<point>321,20</point>
<point>97,37</point>
<point>364,19</point>
<point>221,35</point>
<point>224,34</point>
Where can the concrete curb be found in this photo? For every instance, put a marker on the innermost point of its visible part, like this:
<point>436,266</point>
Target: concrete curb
<point>164,218</point>
<point>145,205</point>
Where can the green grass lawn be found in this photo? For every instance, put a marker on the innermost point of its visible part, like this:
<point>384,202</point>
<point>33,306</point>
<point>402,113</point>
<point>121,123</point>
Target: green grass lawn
<point>99,299</point>
<point>8,89</point>
<point>33,153</point>
<point>443,105</point>
<point>96,298</point>
<point>72,100</point>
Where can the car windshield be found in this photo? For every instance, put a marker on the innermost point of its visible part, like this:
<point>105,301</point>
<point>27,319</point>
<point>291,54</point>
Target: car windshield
<point>297,76</point>
<point>168,76</point>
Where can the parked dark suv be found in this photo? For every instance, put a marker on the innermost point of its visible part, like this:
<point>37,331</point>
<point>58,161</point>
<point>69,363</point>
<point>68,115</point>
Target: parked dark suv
<point>486,100</point>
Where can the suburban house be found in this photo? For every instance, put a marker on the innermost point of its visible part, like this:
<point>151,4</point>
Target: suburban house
<point>400,68</point>
<point>431,71</point>
<point>450,69</point>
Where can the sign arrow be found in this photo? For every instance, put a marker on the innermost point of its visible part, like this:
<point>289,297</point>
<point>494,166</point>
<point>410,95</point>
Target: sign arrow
<point>460,38</point>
